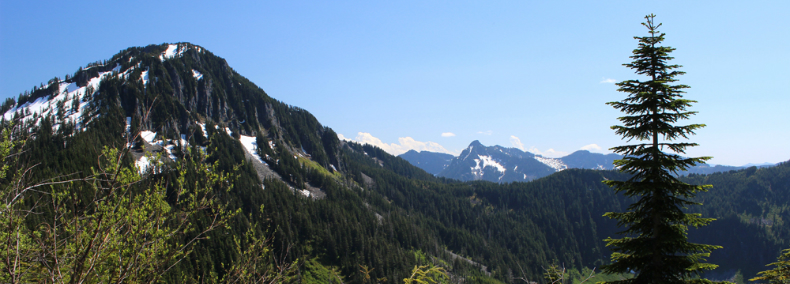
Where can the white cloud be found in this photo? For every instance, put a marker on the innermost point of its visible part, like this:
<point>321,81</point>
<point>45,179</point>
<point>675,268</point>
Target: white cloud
<point>550,153</point>
<point>608,81</point>
<point>404,144</point>
<point>448,134</point>
<point>341,137</point>
<point>488,132</point>
<point>516,142</point>
<point>592,148</point>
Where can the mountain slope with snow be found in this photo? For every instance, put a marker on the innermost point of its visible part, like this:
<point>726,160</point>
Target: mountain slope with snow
<point>166,95</point>
<point>498,164</point>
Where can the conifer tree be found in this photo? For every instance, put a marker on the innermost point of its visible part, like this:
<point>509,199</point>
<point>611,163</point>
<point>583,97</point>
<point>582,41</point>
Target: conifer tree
<point>655,243</point>
<point>780,273</point>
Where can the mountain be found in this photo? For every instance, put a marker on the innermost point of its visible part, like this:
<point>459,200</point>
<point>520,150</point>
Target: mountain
<point>760,165</point>
<point>497,164</point>
<point>500,164</point>
<point>334,206</point>
<point>431,162</point>
<point>584,159</point>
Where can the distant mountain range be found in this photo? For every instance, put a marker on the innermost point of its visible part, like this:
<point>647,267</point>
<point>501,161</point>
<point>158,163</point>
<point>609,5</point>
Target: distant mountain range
<point>500,164</point>
<point>431,162</point>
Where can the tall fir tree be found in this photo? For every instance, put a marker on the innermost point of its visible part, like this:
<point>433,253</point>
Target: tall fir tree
<point>655,244</point>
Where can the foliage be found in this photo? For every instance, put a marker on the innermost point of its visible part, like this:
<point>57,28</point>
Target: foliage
<point>105,227</point>
<point>780,273</point>
<point>257,262</point>
<point>426,274</point>
<point>554,274</point>
<point>17,247</point>
<point>313,272</point>
<point>656,245</point>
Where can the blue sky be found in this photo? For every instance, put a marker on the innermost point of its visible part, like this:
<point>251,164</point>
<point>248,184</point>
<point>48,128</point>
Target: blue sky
<point>439,74</point>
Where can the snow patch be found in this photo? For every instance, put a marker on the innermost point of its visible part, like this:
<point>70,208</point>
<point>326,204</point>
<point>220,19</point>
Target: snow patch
<point>169,53</point>
<point>250,143</point>
<point>144,77</point>
<point>173,51</point>
<point>487,161</point>
<point>470,152</point>
<point>555,164</point>
<point>168,146</point>
<point>169,149</point>
<point>203,127</point>
<point>142,164</point>
<point>197,75</point>
<point>490,162</point>
<point>148,136</point>
<point>304,192</point>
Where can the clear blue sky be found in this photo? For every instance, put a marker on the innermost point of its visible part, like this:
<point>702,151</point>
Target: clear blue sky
<point>410,71</point>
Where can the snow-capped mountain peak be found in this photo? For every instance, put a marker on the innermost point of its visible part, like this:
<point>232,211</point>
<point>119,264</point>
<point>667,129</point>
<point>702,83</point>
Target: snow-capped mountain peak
<point>501,164</point>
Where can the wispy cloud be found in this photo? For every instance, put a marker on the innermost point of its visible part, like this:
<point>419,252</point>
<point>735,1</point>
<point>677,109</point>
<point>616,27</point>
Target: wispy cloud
<point>448,134</point>
<point>591,148</point>
<point>487,132</point>
<point>550,153</point>
<point>608,81</point>
<point>404,144</point>
<point>516,142</point>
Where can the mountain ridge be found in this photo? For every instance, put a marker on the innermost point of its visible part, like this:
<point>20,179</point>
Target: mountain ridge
<point>501,164</point>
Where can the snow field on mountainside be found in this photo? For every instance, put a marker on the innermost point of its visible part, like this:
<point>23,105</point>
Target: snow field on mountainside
<point>553,163</point>
<point>169,53</point>
<point>175,51</point>
<point>250,143</point>
<point>489,162</point>
<point>69,95</point>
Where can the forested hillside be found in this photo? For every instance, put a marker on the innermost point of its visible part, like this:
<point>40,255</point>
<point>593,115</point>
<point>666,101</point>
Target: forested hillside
<point>328,207</point>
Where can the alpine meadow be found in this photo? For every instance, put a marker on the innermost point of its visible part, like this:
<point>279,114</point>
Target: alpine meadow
<point>163,164</point>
